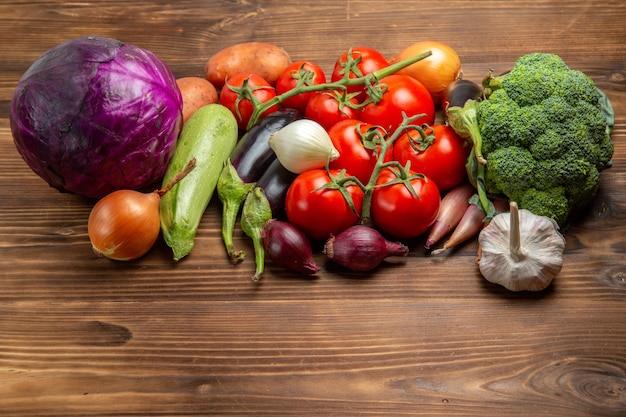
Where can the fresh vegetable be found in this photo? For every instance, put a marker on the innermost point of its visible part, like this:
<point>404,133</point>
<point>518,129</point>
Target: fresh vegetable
<point>288,247</point>
<point>437,71</point>
<point>299,73</point>
<point>232,192</point>
<point>437,152</point>
<point>401,95</point>
<point>404,204</point>
<point>196,92</point>
<point>543,134</point>
<point>370,80</point>
<point>330,107</point>
<point>470,225</point>
<point>361,248</point>
<point>124,225</point>
<point>453,205</point>
<point>242,93</point>
<point>520,250</point>
<point>358,145</point>
<point>355,63</point>
<point>254,214</point>
<point>303,145</point>
<point>93,115</point>
<point>458,93</point>
<point>472,222</point>
<point>209,136</point>
<point>265,59</point>
<point>252,155</point>
<point>275,182</point>
<point>320,205</point>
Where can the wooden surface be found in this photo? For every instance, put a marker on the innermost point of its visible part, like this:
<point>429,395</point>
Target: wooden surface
<point>82,336</point>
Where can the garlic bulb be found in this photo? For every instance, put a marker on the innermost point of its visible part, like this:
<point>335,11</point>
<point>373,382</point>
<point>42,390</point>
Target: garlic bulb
<point>520,250</point>
<point>303,145</point>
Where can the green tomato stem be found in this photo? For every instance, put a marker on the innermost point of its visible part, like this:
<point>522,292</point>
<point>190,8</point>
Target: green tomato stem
<point>385,145</point>
<point>340,84</point>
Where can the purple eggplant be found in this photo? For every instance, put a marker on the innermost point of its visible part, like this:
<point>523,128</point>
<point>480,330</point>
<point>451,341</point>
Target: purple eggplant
<point>252,155</point>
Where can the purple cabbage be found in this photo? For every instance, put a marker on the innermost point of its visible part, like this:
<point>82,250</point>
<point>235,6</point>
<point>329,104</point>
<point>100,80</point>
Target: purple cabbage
<point>93,115</point>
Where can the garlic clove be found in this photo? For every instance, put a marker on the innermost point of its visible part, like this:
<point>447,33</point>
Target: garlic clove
<point>520,250</point>
<point>303,145</point>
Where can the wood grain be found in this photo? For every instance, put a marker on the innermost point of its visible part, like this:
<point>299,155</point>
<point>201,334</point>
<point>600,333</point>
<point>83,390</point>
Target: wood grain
<point>421,336</point>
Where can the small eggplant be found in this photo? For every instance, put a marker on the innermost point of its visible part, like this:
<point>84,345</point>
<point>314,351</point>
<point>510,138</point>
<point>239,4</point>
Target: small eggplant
<point>458,92</point>
<point>275,182</point>
<point>252,154</point>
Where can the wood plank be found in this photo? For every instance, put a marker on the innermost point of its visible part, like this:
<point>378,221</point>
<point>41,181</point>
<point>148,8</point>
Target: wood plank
<point>425,335</point>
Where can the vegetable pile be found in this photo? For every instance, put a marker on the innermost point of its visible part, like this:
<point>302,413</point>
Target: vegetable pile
<point>356,162</point>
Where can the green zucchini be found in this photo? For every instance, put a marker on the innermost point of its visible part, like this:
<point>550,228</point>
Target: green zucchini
<point>209,136</point>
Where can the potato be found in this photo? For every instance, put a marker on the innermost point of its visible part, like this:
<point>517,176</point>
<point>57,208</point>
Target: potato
<point>196,92</point>
<point>264,59</point>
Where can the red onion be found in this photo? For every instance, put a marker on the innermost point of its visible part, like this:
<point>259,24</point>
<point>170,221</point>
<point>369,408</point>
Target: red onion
<point>361,248</point>
<point>288,247</point>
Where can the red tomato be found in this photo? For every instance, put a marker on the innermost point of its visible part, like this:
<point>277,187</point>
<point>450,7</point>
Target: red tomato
<point>367,60</point>
<point>443,161</point>
<point>306,72</point>
<point>354,156</point>
<point>330,107</point>
<point>323,212</point>
<point>397,212</point>
<point>236,96</point>
<point>403,94</point>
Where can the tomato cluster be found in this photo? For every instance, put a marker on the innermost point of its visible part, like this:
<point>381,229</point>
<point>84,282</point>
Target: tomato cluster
<point>401,189</point>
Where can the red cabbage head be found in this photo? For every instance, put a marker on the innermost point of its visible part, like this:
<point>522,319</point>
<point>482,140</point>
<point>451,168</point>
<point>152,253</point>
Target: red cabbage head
<point>93,115</point>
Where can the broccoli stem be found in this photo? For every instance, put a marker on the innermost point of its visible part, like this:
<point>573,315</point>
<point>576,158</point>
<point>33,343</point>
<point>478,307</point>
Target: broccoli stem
<point>487,205</point>
<point>256,211</point>
<point>464,121</point>
<point>232,192</point>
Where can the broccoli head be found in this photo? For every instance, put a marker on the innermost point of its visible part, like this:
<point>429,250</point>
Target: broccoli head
<point>544,134</point>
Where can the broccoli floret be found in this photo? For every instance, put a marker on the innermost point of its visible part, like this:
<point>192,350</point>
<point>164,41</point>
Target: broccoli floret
<point>552,203</point>
<point>544,133</point>
<point>510,170</point>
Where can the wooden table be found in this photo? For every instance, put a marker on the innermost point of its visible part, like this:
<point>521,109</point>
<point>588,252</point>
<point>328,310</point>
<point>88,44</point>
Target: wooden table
<point>83,336</point>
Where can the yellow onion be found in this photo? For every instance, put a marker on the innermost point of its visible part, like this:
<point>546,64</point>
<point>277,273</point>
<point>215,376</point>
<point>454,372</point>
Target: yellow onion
<point>125,224</point>
<point>437,71</point>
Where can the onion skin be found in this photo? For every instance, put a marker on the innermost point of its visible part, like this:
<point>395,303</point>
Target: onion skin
<point>451,210</point>
<point>437,71</point>
<point>125,224</point>
<point>469,226</point>
<point>361,248</point>
<point>288,247</point>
